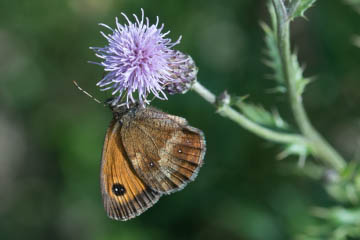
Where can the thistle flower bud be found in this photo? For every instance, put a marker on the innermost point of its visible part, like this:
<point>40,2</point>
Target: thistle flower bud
<point>184,71</point>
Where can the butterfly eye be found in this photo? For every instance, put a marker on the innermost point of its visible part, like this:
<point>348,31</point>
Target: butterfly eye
<point>151,164</point>
<point>116,115</point>
<point>118,189</point>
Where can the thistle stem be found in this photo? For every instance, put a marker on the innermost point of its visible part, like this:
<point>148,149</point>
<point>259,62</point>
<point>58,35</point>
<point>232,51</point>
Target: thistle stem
<point>229,112</point>
<point>318,144</point>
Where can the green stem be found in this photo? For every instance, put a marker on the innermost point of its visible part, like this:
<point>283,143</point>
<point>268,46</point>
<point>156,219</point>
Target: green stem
<point>319,145</point>
<point>229,112</point>
<point>293,6</point>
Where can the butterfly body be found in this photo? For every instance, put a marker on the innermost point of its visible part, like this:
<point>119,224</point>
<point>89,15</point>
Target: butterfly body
<point>147,153</point>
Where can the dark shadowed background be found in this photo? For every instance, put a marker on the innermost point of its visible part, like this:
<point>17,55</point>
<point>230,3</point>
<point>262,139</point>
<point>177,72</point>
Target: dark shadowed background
<point>51,135</point>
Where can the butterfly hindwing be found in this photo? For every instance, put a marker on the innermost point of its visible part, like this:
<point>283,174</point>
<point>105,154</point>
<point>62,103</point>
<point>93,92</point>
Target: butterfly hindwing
<point>164,150</point>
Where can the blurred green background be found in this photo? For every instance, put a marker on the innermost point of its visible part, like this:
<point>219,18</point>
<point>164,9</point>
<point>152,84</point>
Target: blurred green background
<point>51,135</point>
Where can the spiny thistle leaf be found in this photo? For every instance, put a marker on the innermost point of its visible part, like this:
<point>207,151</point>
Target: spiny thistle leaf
<point>295,149</point>
<point>275,62</point>
<point>261,116</point>
<point>299,7</point>
<point>301,81</point>
<point>273,59</point>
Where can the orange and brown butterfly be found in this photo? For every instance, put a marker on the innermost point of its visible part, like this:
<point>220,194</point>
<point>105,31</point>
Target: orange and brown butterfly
<point>147,153</point>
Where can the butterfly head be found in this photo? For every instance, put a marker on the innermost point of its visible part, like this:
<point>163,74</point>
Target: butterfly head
<point>120,110</point>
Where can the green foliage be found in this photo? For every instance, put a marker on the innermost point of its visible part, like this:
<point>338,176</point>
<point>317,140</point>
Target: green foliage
<point>260,115</point>
<point>300,80</point>
<point>355,4</point>
<point>273,59</point>
<point>345,187</point>
<point>356,41</point>
<point>274,121</point>
<point>341,221</point>
<point>273,55</point>
<point>337,223</point>
<point>299,7</point>
<point>295,149</point>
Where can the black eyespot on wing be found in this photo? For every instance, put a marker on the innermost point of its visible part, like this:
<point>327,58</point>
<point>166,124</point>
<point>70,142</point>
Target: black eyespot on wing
<point>118,189</point>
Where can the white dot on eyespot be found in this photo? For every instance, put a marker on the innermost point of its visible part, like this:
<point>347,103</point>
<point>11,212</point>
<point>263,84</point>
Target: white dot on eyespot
<point>180,151</point>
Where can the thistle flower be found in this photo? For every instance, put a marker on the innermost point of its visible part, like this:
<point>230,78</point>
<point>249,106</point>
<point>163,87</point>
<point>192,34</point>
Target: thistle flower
<point>138,58</point>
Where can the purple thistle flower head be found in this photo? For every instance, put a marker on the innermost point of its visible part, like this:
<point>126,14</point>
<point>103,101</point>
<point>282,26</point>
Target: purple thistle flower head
<point>138,58</point>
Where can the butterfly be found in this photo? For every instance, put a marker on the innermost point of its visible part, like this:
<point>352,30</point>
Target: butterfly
<point>146,154</point>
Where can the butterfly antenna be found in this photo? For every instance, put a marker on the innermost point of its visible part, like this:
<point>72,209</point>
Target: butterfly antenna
<point>163,86</point>
<point>85,92</point>
<point>153,98</point>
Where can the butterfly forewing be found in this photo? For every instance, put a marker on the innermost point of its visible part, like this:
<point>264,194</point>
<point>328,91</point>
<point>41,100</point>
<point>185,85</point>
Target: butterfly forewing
<point>164,151</point>
<point>124,194</point>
